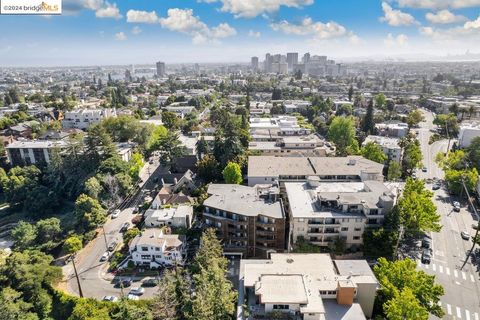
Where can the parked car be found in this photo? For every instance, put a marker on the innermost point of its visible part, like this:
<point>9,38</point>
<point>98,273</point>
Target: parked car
<point>426,242</point>
<point>424,169</point>
<point>125,283</point>
<point>112,246</point>
<point>456,206</point>
<point>105,256</point>
<point>110,298</point>
<point>426,256</point>
<point>150,283</point>
<point>474,226</point>
<point>465,235</point>
<point>436,186</point>
<point>115,213</point>
<point>132,297</point>
<point>138,291</point>
<point>124,227</point>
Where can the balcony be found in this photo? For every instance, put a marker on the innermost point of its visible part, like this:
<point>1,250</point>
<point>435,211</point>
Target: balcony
<point>222,218</point>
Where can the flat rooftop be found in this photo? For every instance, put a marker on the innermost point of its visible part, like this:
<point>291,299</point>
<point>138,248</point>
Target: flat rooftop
<point>271,166</point>
<point>242,200</point>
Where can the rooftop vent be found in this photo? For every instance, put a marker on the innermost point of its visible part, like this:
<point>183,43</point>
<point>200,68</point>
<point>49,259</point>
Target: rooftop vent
<point>289,260</point>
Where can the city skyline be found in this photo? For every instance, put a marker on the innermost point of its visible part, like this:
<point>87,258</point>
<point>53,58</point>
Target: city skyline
<point>97,32</point>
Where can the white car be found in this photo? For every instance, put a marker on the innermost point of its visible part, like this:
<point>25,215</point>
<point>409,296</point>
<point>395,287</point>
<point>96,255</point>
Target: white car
<point>115,213</point>
<point>465,235</point>
<point>138,291</point>
<point>105,256</point>
<point>132,297</point>
<point>110,298</point>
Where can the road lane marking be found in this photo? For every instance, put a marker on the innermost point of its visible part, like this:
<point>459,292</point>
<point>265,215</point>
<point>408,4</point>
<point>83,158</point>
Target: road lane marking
<point>440,269</point>
<point>467,314</point>
<point>449,309</point>
<point>476,316</point>
<point>455,273</point>
<point>472,278</point>
<point>464,276</point>
<point>459,313</point>
<point>434,268</point>
<point>448,270</point>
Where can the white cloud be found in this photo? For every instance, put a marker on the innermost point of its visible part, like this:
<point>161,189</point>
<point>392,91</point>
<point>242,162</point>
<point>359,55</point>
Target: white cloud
<point>136,30</point>
<point>183,21</point>
<point>109,11</point>
<point>354,39</point>
<point>475,24</point>
<point>120,36</point>
<point>253,8</point>
<point>138,16</point>
<point>254,34</point>
<point>396,18</point>
<point>444,17</point>
<point>394,42</point>
<point>438,4</point>
<point>318,30</point>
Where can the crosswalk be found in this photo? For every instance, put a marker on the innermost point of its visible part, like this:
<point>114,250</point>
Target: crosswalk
<point>458,312</point>
<point>460,275</point>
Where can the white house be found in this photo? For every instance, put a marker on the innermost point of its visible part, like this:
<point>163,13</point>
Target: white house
<point>152,248</point>
<point>467,133</point>
<point>84,118</point>
<point>178,216</point>
<point>389,146</point>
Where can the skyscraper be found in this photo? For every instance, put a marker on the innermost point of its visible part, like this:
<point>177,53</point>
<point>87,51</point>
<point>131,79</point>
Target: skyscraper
<point>160,69</point>
<point>254,63</point>
<point>292,59</point>
<point>268,62</point>
<point>306,57</point>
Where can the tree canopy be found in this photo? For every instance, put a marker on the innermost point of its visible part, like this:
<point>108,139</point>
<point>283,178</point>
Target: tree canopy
<point>342,133</point>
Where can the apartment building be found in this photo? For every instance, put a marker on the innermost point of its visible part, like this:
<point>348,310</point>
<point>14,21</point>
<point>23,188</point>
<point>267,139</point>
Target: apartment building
<point>250,220</point>
<point>27,152</point>
<point>307,286</point>
<point>152,248</point>
<point>321,212</point>
<point>270,129</point>
<point>268,169</point>
<point>392,129</point>
<point>84,118</point>
<point>390,146</point>
<point>292,145</point>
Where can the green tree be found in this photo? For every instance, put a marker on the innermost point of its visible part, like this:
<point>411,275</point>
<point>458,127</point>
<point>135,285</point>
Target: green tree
<point>89,309</point>
<point>208,169</point>
<point>202,147</point>
<point>412,155</point>
<point>99,144</point>
<point>31,273</point>
<point>368,122</point>
<point>380,101</point>
<point>127,310</point>
<point>136,164</point>
<point>395,277</point>
<point>448,124</point>
<point>24,235</point>
<point>417,210</point>
<point>170,120</point>
<point>214,296</point>
<point>404,305</point>
<point>48,232</point>
<point>232,173</point>
<point>72,245</point>
<point>89,213</point>
<point>130,234</point>
<point>474,153</point>
<point>394,171</point>
<point>12,306</point>
<point>414,118</point>
<point>169,147</point>
<point>93,187</point>
<point>342,133</point>
<point>374,152</point>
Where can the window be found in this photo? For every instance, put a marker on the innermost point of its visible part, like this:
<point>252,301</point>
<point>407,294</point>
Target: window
<point>344,229</point>
<point>358,229</point>
<point>157,249</point>
<point>145,256</point>
<point>280,307</point>
<point>144,248</point>
<point>356,238</point>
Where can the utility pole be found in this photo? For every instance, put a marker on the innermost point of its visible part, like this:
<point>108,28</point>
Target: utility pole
<point>105,238</point>
<point>76,275</point>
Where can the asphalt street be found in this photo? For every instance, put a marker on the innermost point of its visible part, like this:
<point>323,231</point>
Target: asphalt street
<point>462,286</point>
<point>95,281</point>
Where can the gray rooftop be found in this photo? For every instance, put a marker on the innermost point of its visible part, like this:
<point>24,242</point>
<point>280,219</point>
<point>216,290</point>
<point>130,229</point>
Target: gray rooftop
<point>268,166</point>
<point>241,200</point>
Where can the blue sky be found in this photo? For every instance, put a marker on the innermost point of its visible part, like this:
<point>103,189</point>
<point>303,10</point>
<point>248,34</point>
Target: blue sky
<point>92,32</point>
